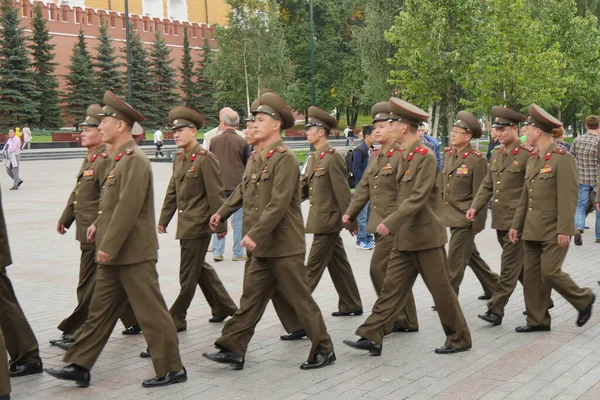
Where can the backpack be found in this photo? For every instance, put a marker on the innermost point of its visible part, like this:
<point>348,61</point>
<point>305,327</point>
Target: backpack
<point>351,178</point>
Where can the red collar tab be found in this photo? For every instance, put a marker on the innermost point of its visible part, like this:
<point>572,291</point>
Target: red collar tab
<point>547,157</point>
<point>465,155</point>
<point>516,151</point>
<point>94,158</point>
<point>270,153</point>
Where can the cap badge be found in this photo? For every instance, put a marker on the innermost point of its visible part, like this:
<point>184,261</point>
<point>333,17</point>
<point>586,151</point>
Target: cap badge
<point>176,121</point>
<point>497,120</point>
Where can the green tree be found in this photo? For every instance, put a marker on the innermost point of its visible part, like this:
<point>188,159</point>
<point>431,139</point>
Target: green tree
<point>45,84</point>
<point>107,67</point>
<point>16,103</point>
<point>162,77</point>
<point>143,97</point>
<point>80,92</point>
<point>186,70</point>
<point>205,88</point>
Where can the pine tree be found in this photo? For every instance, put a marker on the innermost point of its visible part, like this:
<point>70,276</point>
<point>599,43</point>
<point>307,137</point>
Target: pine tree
<point>206,88</point>
<point>141,86</point>
<point>162,75</point>
<point>80,91</point>
<point>107,67</point>
<point>16,102</point>
<point>44,81</point>
<point>187,85</point>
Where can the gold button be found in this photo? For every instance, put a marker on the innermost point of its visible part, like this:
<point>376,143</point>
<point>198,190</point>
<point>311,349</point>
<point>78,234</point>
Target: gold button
<point>529,209</point>
<point>78,183</point>
<point>497,190</point>
<point>497,183</point>
<point>374,206</point>
<point>496,200</point>
<point>377,177</point>
<point>445,202</point>
<point>533,180</point>
<point>311,204</point>
<point>103,186</point>
<point>180,211</point>
<point>500,173</point>
<point>450,176</point>
<point>531,190</point>
<point>375,186</point>
<point>99,212</point>
<point>75,202</point>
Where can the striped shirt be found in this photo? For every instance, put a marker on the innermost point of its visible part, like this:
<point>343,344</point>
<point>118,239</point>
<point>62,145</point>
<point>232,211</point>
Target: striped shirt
<point>585,151</point>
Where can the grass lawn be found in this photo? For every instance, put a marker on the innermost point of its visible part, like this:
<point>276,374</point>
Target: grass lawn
<point>301,155</point>
<point>41,138</point>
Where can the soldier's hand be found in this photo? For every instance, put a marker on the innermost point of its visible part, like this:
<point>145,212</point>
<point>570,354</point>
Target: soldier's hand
<point>513,235</point>
<point>248,243</point>
<point>91,233</point>
<point>563,240</point>
<point>477,231</point>
<point>161,229</point>
<point>60,228</point>
<point>383,230</point>
<point>221,235</point>
<point>103,257</point>
<point>471,214</point>
<point>346,219</point>
<point>215,220</point>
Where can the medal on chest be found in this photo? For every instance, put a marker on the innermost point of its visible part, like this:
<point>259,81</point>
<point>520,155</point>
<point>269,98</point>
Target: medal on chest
<point>319,168</point>
<point>88,172</point>
<point>546,170</point>
<point>192,169</point>
<point>462,170</point>
<point>387,167</point>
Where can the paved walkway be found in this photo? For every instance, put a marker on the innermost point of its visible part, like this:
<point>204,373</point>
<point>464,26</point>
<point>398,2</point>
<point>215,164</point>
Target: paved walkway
<point>562,364</point>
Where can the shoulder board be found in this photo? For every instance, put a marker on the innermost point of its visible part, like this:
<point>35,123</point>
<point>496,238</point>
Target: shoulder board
<point>527,147</point>
<point>330,150</point>
<point>476,153</point>
<point>129,151</point>
<point>283,149</point>
<point>421,150</point>
<point>559,150</point>
<point>202,152</point>
<point>179,152</point>
<point>121,154</point>
<point>447,149</point>
<point>392,150</point>
<point>103,154</point>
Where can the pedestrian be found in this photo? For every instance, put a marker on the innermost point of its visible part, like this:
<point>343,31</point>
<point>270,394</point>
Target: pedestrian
<point>26,138</point>
<point>463,171</point>
<point>232,152</point>
<point>349,134</point>
<point>12,158</point>
<point>82,208</point>
<point>430,142</point>
<point>585,150</point>
<point>360,158</point>
<point>208,136</point>
<point>158,142</point>
<point>277,243</point>
<point>545,220</point>
<point>493,144</point>
<point>558,135</point>
<point>419,238</point>
<point>126,251</point>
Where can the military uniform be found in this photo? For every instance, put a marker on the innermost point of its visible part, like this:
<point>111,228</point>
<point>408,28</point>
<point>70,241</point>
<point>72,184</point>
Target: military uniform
<point>462,173</point>
<point>126,230</point>
<point>4,373</point>
<point>504,182</point>
<point>278,259</point>
<point>82,208</point>
<point>5,260</point>
<point>547,209</point>
<point>195,190</point>
<point>418,247</point>
<point>378,185</point>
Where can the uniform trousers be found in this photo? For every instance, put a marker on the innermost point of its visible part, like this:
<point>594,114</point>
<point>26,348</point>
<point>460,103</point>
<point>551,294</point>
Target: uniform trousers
<point>406,316</point>
<point>194,271</point>
<point>19,338</point>
<point>542,273</point>
<point>264,276</point>
<point>114,285</point>
<point>4,374</point>
<point>462,252</point>
<point>511,271</point>
<point>403,268</point>
<point>85,290</point>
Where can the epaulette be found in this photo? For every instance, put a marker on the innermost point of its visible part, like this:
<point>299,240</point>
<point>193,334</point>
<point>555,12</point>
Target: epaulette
<point>447,149</point>
<point>527,148</point>
<point>126,152</point>
<point>179,152</point>
<point>102,154</point>
<point>129,151</point>
<point>476,153</point>
<point>418,149</point>
<point>330,150</point>
<point>282,149</point>
<point>201,152</point>
<point>392,150</point>
<point>559,150</point>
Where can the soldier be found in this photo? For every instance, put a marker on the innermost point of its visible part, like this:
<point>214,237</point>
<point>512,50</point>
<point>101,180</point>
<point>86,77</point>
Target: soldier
<point>463,170</point>
<point>17,335</point>
<point>545,217</point>
<point>504,181</point>
<point>82,208</point>
<point>4,372</point>
<point>418,242</point>
<point>380,187</point>
<point>276,241</point>
<point>127,249</point>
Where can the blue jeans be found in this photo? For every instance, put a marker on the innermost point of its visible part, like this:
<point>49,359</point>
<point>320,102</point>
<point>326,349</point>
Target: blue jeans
<point>363,218</point>
<point>582,203</point>
<point>219,244</point>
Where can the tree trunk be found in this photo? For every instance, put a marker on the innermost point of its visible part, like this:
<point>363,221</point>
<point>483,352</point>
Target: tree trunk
<point>450,104</point>
<point>247,83</point>
<point>436,120</point>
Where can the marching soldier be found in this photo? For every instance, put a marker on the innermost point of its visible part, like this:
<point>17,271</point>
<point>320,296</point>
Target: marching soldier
<point>463,170</point>
<point>276,241</point>
<point>82,208</point>
<point>196,191</point>
<point>418,243</point>
<point>545,217</point>
<point>379,186</point>
<point>127,250</point>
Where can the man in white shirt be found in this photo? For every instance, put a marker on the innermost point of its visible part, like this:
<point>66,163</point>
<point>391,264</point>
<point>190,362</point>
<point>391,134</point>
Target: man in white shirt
<point>158,142</point>
<point>214,132</point>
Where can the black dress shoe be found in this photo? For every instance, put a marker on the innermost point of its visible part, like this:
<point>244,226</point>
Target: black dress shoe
<point>169,379</point>
<point>485,297</point>
<point>71,372</point>
<point>226,357</point>
<point>145,353</point>
<point>20,183</point>
<point>182,329</point>
<point>399,328</point>
<point>218,319</point>
<point>492,318</point>
<point>63,345</point>
<point>365,344</point>
<point>26,369</point>
<point>132,330</point>
<point>6,397</point>
<point>527,329</point>
<point>320,360</point>
<point>297,335</point>
<point>346,314</point>
<point>449,350</point>
<point>66,337</point>
<point>586,313</point>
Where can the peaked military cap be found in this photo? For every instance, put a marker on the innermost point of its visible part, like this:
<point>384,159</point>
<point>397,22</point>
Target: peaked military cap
<point>253,108</point>
<point>274,106</point>
<point>91,116</point>
<point>403,111</point>
<point>506,117</point>
<point>319,117</point>
<point>381,111</point>
<point>540,118</point>
<point>468,122</point>
<point>117,108</point>
<point>181,117</point>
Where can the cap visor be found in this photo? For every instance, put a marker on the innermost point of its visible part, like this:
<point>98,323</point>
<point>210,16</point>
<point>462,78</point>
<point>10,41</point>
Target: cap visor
<point>88,124</point>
